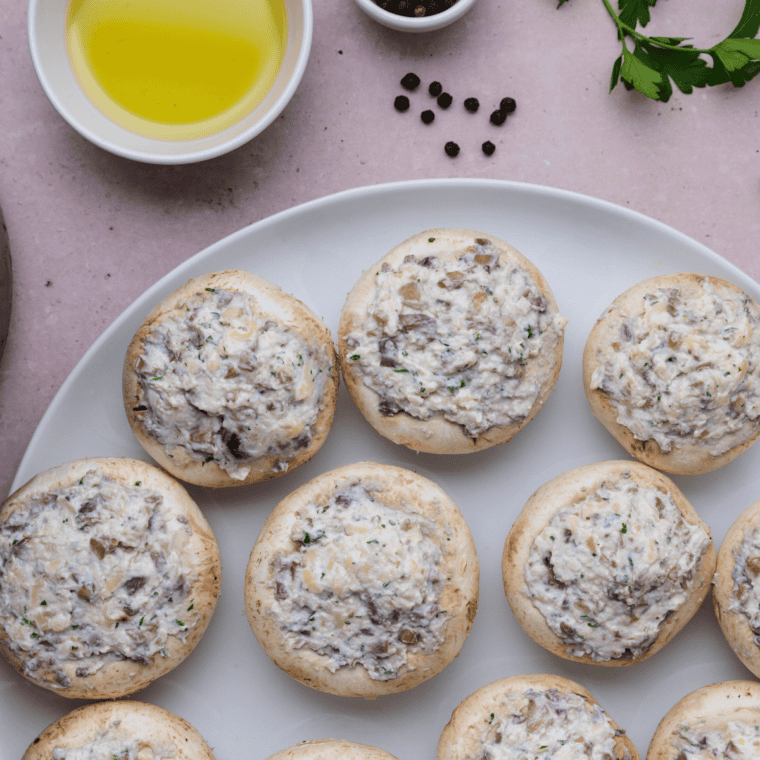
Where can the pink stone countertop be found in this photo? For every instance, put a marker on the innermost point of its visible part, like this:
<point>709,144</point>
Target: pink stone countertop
<point>89,232</point>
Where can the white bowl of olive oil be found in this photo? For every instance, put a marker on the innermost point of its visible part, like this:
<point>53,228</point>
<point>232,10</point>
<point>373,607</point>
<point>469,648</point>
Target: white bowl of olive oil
<point>169,81</point>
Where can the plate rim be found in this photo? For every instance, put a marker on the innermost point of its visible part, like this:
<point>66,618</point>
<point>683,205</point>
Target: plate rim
<point>529,210</point>
<point>337,198</point>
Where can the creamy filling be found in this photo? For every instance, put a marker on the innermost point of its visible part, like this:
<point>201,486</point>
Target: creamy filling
<point>609,570</point>
<point>115,743</point>
<point>472,339</point>
<point>686,371</point>
<point>735,741</point>
<point>91,573</point>
<point>362,583</point>
<point>226,384</point>
<point>746,589</point>
<point>547,725</point>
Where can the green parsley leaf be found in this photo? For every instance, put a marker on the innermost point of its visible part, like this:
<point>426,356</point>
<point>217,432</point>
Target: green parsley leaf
<point>656,63</point>
<point>685,69</point>
<point>735,54</point>
<point>634,12</point>
<point>635,73</point>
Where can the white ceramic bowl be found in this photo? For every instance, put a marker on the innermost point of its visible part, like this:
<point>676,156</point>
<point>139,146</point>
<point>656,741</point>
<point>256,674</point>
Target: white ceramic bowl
<point>47,44</point>
<point>413,24</point>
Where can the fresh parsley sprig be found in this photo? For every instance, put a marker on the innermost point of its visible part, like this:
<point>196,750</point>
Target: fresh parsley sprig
<point>654,61</point>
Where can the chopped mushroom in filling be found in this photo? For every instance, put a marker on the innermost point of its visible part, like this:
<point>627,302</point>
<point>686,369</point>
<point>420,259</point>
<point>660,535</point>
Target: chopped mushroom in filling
<point>363,582</point>
<point>608,571</point>
<point>746,590</point>
<point>735,741</point>
<point>472,339</point>
<point>225,383</point>
<point>547,725</point>
<point>113,743</point>
<point>687,369</point>
<point>92,573</point>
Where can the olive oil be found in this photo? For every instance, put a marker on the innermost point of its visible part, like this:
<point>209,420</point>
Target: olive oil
<point>176,69</point>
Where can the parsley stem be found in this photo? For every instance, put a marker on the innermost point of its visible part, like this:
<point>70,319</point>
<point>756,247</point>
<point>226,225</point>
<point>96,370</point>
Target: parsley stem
<point>621,27</point>
<point>624,29</point>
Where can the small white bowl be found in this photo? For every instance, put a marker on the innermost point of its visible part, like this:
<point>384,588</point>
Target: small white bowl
<point>411,23</point>
<point>47,45</point>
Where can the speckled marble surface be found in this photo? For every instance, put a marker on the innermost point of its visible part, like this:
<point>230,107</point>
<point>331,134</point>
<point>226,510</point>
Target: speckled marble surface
<point>89,231</point>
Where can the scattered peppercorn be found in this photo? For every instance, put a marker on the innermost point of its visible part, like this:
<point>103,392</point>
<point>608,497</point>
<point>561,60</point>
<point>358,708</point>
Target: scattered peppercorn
<point>401,103</point>
<point>498,118</point>
<point>508,105</point>
<point>445,100</point>
<point>410,81</point>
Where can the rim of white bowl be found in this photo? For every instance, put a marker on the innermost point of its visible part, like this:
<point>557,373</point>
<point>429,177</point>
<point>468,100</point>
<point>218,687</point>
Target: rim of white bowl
<point>411,24</point>
<point>190,156</point>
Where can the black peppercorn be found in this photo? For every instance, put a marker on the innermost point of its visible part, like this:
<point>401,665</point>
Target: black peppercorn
<point>427,116</point>
<point>445,100</point>
<point>498,118</point>
<point>401,103</point>
<point>472,104</point>
<point>488,148</point>
<point>416,8</point>
<point>410,81</point>
<point>435,89</point>
<point>451,148</point>
<point>508,105</point>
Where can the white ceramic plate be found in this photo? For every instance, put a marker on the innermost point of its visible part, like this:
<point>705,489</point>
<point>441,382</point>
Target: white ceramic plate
<point>590,251</point>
